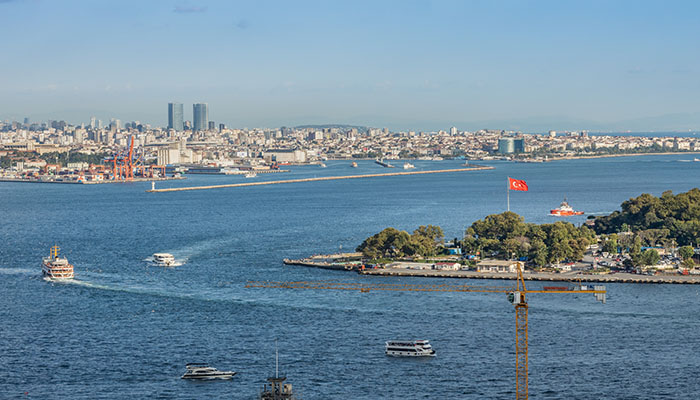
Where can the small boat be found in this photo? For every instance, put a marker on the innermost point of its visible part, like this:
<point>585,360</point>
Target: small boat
<point>696,159</point>
<point>164,259</point>
<point>409,348</point>
<point>251,175</point>
<point>204,371</point>
<point>354,164</point>
<point>407,165</point>
<point>564,210</point>
<point>56,268</point>
<point>230,171</point>
<point>322,165</point>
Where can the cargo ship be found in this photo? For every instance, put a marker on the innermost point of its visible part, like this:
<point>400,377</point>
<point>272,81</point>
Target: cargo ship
<point>57,268</point>
<point>564,210</point>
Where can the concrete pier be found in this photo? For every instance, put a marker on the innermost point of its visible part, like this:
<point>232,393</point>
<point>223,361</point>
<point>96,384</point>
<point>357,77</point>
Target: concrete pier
<point>327,178</point>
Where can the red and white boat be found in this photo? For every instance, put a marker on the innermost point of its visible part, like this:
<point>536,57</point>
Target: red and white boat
<point>56,268</point>
<point>564,210</point>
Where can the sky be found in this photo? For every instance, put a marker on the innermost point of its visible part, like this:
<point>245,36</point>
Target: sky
<point>406,65</point>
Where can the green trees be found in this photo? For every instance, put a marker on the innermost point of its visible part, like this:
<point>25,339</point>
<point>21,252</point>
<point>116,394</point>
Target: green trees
<point>506,235</point>
<point>611,244</point>
<point>669,217</point>
<point>687,253</point>
<point>391,242</point>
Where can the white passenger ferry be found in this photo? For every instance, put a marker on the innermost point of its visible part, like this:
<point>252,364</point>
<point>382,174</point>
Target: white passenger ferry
<point>56,268</point>
<point>409,348</point>
<point>164,259</point>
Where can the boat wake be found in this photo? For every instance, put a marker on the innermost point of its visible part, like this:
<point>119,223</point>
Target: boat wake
<point>176,263</point>
<point>183,255</point>
<point>18,271</point>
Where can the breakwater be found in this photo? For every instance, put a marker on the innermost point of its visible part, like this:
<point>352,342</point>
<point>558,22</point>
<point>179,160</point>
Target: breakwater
<point>327,178</point>
<point>537,276</point>
<point>464,274</point>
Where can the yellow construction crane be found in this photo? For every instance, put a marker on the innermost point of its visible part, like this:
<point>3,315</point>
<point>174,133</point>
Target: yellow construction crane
<point>516,295</point>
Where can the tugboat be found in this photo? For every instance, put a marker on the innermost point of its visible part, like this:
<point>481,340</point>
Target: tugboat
<point>56,268</point>
<point>276,389</point>
<point>564,210</point>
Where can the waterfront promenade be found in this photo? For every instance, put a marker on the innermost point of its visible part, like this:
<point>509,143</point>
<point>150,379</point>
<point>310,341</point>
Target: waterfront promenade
<point>326,178</point>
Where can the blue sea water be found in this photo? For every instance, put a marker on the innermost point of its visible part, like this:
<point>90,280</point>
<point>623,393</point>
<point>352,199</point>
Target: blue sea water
<point>125,329</point>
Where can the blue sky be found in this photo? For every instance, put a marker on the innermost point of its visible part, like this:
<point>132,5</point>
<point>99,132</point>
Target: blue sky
<point>529,65</point>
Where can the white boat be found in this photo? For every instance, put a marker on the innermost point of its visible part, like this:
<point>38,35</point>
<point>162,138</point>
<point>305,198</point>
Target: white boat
<point>204,371</point>
<point>407,165</point>
<point>164,259</point>
<point>696,159</point>
<point>56,268</point>
<point>231,171</point>
<point>251,175</point>
<point>409,348</point>
<point>322,165</point>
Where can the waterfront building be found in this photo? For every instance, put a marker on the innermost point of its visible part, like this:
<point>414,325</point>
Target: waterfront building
<point>200,116</point>
<point>506,145</point>
<point>175,117</point>
<point>509,145</point>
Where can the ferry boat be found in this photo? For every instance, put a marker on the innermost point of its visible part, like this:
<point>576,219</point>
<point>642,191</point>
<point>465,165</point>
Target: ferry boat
<point>407,165</point>
<point>564,210</point>
<point>409,348</point>
<point>354,164</point>
<point>56,268</point>
<point>204,371</point>
<point>164,259</point>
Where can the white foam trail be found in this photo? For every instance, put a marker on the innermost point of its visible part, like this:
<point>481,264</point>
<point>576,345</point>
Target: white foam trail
<point>20,271</point>
<point>185,253</point>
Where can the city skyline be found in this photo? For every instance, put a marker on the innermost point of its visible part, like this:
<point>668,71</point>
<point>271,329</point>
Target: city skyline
<point>405,65</point>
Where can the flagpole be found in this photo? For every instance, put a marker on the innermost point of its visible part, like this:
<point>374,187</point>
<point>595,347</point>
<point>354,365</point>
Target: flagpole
<point>508,191</point>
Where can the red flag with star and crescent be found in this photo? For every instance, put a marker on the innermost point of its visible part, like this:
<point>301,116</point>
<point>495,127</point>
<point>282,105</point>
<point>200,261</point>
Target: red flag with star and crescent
<point>517,184</point>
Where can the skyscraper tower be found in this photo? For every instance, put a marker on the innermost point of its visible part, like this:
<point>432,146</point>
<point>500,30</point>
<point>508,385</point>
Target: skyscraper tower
<point>175,116</point>
<point>200,117</point>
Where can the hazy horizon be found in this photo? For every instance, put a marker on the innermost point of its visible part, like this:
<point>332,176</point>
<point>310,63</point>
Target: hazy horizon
<point>600,66</point>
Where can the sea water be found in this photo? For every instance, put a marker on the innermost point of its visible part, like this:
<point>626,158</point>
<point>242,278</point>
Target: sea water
<point>125,328</point>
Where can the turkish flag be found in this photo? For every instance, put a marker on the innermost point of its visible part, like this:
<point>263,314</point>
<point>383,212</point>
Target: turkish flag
<point>517,184</point>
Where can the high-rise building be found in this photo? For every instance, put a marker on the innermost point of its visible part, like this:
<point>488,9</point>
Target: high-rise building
<point>200,117</point>
<point>212,125</point>
<point>175,117</point>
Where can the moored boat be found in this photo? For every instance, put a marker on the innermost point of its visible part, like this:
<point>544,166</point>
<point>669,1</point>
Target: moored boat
<point>409,348</point>
<point>204,371</point>
<point>55,267</point>
<point>564,210</point>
